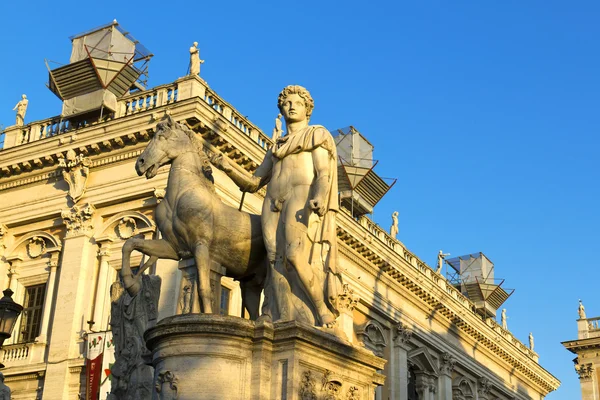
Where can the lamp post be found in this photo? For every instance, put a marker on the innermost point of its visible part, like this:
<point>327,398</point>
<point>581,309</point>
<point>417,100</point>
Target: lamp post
<point>9,312</point>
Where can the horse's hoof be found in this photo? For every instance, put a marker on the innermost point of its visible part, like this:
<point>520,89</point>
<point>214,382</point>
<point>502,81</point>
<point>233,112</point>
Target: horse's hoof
<point>264,319</point>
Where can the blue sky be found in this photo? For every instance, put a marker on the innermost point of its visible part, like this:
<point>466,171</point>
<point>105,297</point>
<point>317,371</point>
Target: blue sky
<point>486,112</point>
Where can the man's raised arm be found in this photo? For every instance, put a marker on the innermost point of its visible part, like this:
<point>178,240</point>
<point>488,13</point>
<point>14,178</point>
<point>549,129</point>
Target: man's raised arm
<point>246,182</point>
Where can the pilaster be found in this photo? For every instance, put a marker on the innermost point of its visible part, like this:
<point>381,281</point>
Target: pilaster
<point>586,380</point>
<point>73,292</point>
<point>447,363</point>
<point>49,302</point>
<point>399,372</point>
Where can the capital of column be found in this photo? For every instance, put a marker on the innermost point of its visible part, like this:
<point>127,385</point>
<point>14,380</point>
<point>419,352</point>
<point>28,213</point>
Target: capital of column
<point>347,300</point>
<point>78,220</point>
<point>585,372</point>
<point>103,253</point>
<point>3,233</point>
<point>402,335</point>
<point>52,264</point>
<point>484,386</point>
<point>447,363</point>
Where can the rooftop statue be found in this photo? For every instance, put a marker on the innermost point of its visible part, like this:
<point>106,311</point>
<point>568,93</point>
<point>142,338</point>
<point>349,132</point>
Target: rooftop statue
<point>195,223</point>
<point>195,60</point>
<point>277,131</point>
<point>581,310</point>
<point>504,323</point>
<point>394,227</point>
<point>298,215</point>
<point>440,261</point>
<point>531,343</point>
<point>21,109</point>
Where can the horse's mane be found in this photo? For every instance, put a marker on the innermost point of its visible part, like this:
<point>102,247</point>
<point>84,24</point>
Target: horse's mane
<point>199,146</point>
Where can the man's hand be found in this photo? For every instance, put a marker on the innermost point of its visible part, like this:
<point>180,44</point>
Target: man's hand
<point>220,162</point>
<point>317,206</point>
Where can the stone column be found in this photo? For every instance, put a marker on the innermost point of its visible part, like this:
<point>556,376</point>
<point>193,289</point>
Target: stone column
<point>586,380</point>
<point>73,291</point>
<point>399,369</point>
<point>101,289</point>
<point>445,380</point>
<point>48,302</point>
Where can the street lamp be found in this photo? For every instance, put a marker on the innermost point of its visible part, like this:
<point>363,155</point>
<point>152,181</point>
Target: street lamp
<point>9,312</point>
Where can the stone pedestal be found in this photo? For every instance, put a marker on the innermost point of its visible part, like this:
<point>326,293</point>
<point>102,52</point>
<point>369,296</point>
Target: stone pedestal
<point>207,356</point>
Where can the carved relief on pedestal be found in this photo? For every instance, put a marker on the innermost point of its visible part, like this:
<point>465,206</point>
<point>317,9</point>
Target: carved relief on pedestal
<point>585,371</point>
<point>353,393</point>
<point>308,387</point>
<point>332,387</point>
<point>78,219</point>
<point>75,171</point>
<point>166,385</point>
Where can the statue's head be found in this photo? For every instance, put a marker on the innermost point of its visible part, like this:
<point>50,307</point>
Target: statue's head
<point>292,96</point>
<point>195,44</point>
<point>23,96</point>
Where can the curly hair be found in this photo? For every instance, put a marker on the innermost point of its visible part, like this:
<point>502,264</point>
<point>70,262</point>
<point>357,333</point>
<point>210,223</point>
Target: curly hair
<point>300,91</point>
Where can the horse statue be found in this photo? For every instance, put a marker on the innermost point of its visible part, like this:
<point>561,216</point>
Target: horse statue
<point>195,223</point>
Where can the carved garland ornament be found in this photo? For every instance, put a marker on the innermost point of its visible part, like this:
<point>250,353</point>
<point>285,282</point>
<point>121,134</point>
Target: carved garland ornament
<point>36,247</point>
<point>126,228</point>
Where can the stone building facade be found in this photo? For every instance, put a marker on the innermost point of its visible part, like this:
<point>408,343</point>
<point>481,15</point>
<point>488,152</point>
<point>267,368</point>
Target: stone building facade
<point>587,350</point>
<point>71,197</point>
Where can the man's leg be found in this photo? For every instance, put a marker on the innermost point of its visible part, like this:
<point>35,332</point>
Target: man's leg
<point>297,252</point>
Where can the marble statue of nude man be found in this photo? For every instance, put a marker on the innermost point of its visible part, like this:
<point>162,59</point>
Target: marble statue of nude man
<point>298,215</point>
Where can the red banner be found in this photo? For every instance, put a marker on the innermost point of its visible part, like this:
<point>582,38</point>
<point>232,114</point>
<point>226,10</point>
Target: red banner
<point>93,372</point>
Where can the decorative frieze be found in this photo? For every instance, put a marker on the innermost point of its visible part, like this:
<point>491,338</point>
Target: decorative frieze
<point>78,219</point>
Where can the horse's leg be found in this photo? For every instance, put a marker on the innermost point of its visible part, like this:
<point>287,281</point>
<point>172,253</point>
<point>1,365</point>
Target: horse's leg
<point>154,248</point>
<point>251,298</point>
<point>202,258</point>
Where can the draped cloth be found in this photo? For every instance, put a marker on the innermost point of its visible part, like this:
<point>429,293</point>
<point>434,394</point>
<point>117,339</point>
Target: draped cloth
<point>321,230</point>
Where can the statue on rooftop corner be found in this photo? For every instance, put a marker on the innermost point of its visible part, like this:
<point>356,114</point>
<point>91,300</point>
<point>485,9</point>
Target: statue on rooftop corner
<point>21,109</point>
<point>298,215</point>
<point>4,390</point>
<point>581,310</point>
<point>277,131</point>
<point>503,318</point>
<point>394,227</point>
<point>195,60</point>
<point>440,261</point>
<point>531,343</point>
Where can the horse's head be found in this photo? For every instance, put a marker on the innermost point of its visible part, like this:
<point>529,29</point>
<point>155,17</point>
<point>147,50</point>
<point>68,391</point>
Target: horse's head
<point>168,142</point>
